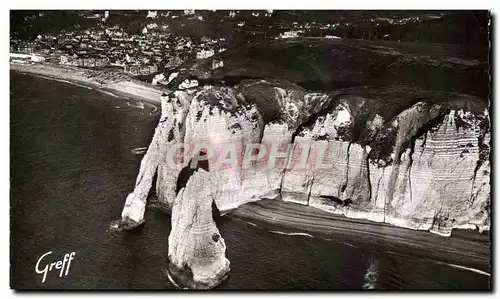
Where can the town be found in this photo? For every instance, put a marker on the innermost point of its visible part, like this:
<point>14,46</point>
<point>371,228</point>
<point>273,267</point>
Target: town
<point>160,43</point>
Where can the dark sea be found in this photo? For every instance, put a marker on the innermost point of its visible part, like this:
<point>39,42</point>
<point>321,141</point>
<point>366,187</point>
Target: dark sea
<point>71,170</point>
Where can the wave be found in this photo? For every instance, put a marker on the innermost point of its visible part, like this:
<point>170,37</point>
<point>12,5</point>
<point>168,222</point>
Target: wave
<point>275,231</point>
<point>348,244</point>
<point>252,224</point>
<point>295,234</point>
<point>115,226</point>
<point>140,105</point>
<point>465,268</point>
<point>137,104</point>
<point>290,234</point>
<point>155,108</point>
<point>345,243</point>
<point>172,280</point>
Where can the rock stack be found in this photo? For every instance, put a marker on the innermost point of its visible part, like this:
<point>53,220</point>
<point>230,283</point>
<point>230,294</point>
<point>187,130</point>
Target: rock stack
<point>398,155</point>
<point>196,250</point>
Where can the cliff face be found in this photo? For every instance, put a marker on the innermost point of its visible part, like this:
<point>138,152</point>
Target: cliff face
<point>397,155</point>
<point>196,250</point>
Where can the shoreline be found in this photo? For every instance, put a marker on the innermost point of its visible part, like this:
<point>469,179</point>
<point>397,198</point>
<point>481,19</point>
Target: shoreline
<point>121,87</point>
<point>465,248</point>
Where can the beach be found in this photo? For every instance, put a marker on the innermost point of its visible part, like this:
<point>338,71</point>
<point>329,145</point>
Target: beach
<point>467,249</point>
<point>73,164</point>
<point>114,84</point>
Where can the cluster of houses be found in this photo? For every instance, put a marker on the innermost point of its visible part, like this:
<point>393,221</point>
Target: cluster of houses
<point>149,52</point>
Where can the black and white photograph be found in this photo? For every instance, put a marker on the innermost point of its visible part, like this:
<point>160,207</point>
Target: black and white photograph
<point>250,150</point>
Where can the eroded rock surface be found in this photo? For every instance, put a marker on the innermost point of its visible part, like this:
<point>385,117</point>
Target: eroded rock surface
<point>420,170</point>
<point>398,155</point>
<point>196,250</point>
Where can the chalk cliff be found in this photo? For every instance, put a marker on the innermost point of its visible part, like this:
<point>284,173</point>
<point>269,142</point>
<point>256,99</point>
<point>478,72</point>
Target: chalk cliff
<point>170,131</point>
<point>196,250</point>
<point>398,155</point>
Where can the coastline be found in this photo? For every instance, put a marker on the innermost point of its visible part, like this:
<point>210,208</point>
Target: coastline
<point>465,248</point>
<point>117,86</point>
<point>288,218</point>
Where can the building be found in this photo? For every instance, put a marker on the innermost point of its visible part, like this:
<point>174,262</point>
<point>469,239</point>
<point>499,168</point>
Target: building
<point>106,16</point>
<point>20,58</point>
<point>152,26</point>
<point>160,78</point>
<point>152,14</point>
<point>203,54</point>
<point>217,64</point>
<point>64,59</point>
<point>332,37</point>
<point>37,58</point>
<point>137,69</point>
